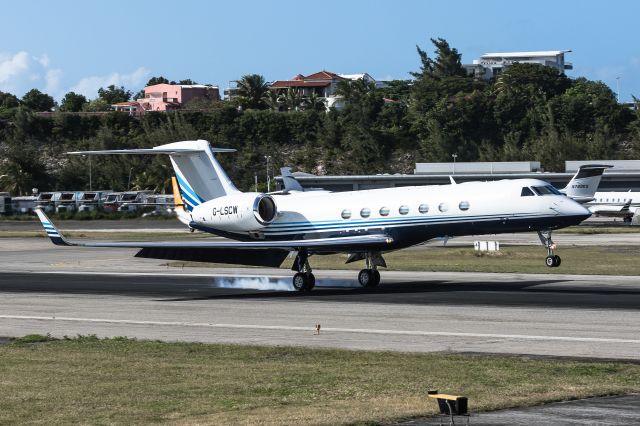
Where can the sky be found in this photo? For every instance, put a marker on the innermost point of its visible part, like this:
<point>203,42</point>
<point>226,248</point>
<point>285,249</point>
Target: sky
<point>59,46</point>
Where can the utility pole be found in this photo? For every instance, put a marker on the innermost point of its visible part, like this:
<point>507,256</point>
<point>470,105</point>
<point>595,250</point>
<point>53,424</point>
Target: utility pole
<point>268,157</point>
<point>129,182</point>
<point>90,183</point>
<point>454,162</point>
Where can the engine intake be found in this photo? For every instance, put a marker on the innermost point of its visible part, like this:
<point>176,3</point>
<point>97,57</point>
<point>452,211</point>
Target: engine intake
<point>264,208</point>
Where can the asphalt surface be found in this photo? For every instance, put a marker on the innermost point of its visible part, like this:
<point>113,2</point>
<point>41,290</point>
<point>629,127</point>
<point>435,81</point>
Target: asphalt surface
<point>71,290</point>
<point>615,410</point>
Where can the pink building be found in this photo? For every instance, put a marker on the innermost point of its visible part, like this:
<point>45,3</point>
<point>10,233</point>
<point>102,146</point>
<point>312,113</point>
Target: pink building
<point>167,97</point>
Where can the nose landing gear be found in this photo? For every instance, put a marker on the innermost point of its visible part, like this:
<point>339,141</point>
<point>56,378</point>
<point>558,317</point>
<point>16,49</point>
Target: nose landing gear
<point>552,260</point>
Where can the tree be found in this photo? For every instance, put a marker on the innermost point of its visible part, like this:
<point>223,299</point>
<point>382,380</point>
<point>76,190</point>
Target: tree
<point>187,82</point>
<point>8,104</point>
<point>157,80</point>
<point>35,100</point>
<point>448,61</point>
<point>8,100</point>
<point>96,105</point>
<point>440,78</point>
<point>252,89</point>
<point>112,94</point>
<point>73,102</point>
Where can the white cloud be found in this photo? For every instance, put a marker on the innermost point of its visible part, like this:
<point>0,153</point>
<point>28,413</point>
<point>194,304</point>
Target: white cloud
<point>89,86</point>
<point>22,71</point>
<point>53,79</point>
<point>44,61</point>
<point>12,68</point>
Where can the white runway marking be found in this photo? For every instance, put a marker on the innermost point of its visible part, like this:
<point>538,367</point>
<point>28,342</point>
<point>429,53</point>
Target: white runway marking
<point>324,329</point>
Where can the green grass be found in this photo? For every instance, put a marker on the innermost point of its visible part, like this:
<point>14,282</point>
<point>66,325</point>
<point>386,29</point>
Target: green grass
<point>612,260</point>
<point>142,382</point>
<point>590,230</point>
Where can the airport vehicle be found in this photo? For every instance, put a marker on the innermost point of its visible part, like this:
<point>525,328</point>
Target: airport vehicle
<point>616,204</point>
<point>266,228</point>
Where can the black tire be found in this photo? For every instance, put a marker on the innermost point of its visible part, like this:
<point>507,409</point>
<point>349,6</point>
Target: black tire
<point>311,282</point>
<point>376,278</point>
<point>558,261</point>
<point>300,281</point>
<point>550,261</point>
<point>365,277</point>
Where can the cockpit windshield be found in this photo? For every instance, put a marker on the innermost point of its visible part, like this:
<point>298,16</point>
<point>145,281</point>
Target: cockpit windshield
<point>526,192</point>
<point>546,190</point>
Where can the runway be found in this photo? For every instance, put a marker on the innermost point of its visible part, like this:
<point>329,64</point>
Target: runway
<point>575,316</point>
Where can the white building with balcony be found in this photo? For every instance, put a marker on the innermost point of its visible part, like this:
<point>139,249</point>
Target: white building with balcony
<point>489,65</point>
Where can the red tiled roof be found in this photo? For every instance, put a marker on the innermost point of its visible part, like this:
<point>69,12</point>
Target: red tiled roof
<point>299,83</point>
<point>323,75</point>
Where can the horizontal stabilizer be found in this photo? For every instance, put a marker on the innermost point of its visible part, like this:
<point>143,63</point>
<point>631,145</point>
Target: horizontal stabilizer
<point>175,151</point>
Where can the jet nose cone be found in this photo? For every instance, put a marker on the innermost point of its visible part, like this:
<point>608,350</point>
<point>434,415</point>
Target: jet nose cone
<point>576,210</point>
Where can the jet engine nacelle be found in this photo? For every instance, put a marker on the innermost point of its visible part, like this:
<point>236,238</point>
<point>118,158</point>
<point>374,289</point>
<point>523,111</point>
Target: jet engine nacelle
<point>240,212</point>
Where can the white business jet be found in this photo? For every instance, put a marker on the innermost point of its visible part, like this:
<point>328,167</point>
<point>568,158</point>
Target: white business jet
<point>616,204</point>
<point>266,228</point>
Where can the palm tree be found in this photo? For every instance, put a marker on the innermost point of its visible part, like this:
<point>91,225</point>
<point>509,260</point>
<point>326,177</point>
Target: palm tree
<point>252,89</point>
<point>274,100</point>
<point>314,102</point>
<point>293,99</point>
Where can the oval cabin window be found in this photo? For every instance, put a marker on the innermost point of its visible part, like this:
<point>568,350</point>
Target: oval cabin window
<point>403,209</point>
<point>464,205</point>
<point>443,207</point>
<point>423,208</point>
<point>365,212</point>
<point>346,214</point>
<point>384,211</point>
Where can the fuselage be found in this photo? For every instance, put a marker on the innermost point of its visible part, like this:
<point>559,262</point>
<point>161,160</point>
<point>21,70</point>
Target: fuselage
<point>410,215</point>
<point>614,203</point>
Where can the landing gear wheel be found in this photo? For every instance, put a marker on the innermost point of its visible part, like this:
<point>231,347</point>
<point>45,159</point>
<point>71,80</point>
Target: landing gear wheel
<point>376,278</point>
<point>311,281</point>
<point>369,278</point>
<point>553,261</point>
<point>304,281</point>
<point>366,277</point>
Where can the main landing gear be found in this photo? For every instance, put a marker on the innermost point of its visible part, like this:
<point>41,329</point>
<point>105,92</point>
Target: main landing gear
<point>370,276</point>
<point>304,280</point>
<point>552,260</point>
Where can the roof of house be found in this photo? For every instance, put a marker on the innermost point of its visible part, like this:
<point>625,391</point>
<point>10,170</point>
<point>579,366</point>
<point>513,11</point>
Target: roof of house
<point>299,83</point>
<point>525,54</point>
<point>318,79</point>
<point>323,75</point>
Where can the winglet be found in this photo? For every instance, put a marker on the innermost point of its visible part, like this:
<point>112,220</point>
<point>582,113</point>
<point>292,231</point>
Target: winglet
<point>52,231</point>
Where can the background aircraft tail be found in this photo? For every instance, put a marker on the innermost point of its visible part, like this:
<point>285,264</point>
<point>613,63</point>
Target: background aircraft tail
<point>179,206</point>
<point>582,187</point>
<point>200,176</point>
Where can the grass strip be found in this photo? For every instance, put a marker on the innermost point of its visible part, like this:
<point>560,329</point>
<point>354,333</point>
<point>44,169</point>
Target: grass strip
<point>611,260</point>
<point>140,382</point>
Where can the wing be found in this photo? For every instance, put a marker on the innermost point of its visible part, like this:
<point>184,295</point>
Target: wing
<point>240,252</point>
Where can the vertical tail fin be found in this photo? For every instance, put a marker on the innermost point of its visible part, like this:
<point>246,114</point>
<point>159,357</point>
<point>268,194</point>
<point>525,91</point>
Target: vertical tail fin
<point>200,176</point>
<point>584,183</point>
